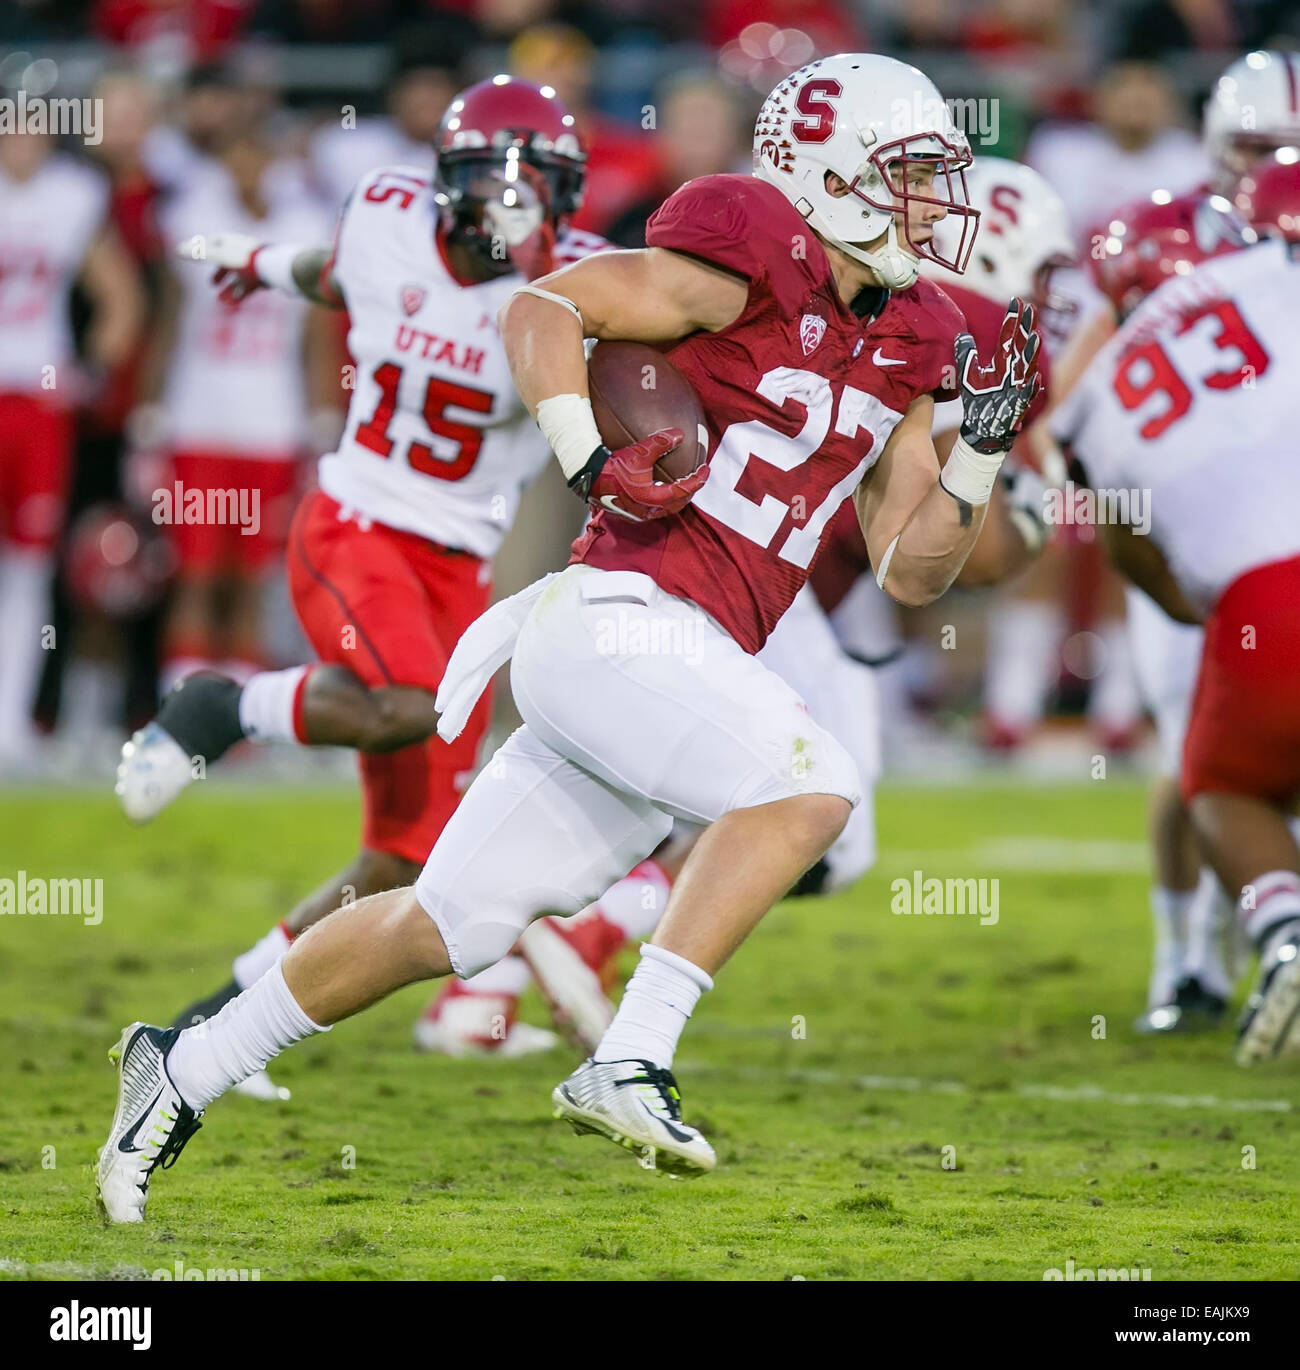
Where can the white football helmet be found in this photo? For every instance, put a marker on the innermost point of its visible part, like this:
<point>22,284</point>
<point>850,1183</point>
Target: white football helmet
<point>854,114</point>
<point>1024,233</point>
<point>1253,109</point>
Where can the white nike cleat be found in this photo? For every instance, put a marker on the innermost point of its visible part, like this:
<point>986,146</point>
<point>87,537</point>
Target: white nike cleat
<point>150,1127</point>
<point>636,1105</point>
<point>154,769</point>
<point>572,988</point>
<point>259,1085</point>
<point>1270,1023</point>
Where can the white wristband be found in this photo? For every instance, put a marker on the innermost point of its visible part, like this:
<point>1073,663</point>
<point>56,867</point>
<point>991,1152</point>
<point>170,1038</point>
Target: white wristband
<point>570,428</point>
<point>273,263</point>
<point>969,475</point>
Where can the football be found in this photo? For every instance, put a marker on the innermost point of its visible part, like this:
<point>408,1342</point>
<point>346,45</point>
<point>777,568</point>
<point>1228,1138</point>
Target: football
<point>636,391</point>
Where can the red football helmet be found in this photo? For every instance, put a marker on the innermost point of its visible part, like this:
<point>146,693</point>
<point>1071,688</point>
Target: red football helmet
<point>1269,196</point>
<point>1145,243</point>
<point>114,563</point>
<point>509,171</point>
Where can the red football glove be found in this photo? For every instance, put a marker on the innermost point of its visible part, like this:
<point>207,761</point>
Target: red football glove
<point>994,398</point>
<point>235,257</point>
<point>236,283</point>
<point>624,481</point>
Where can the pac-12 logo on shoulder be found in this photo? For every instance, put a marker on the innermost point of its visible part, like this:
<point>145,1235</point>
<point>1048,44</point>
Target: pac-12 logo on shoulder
<point>812,329</point>
<point>412,299</point>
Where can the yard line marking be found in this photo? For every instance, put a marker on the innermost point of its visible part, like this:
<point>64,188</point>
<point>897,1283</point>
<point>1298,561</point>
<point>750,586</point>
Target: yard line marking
<point>1063,854</point>
<point>911,1084</point>
<point>70,1270</point>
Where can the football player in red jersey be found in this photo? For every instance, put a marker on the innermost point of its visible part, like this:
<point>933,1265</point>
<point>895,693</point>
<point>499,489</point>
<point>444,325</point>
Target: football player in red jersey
<point>791,302</point>
<point>388,560</point>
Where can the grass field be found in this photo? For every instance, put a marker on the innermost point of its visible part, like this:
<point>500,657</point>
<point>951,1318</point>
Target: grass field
<point>844,1049</point>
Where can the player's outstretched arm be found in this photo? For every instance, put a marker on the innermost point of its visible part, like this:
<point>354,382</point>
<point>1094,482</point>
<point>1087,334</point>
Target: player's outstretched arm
<point>243,265</point>
<point>651,295</point>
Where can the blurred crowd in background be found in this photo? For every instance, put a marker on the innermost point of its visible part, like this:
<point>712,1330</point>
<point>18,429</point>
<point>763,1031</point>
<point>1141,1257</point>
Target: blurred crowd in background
<point>261,114</point>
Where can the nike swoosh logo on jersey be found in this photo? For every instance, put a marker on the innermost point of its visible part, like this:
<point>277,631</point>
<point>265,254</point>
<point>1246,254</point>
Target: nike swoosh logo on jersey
<point>881,360</point>
<point>133,1135</point>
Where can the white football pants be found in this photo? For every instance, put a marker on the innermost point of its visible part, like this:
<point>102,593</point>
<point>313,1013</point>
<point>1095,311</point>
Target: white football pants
<point>638,709</point>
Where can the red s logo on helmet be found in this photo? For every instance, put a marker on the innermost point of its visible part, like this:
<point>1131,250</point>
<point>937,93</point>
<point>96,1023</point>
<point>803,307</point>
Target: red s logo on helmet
<point>1006,200</point>
<point>813,101</point>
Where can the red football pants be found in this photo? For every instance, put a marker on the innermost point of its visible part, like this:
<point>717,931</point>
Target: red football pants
<point>390,606</point>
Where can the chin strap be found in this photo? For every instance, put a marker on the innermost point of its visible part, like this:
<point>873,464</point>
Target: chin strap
<point>892,263</point>
<point>896,267</point>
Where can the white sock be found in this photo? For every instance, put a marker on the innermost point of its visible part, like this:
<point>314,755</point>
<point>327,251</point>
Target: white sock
<point>1206,927</point>
<point>1113,699</point>
<point>261,956</point>
<point>1267,902</point>
<point>90,702</point>
<point>24,612</point>
<point>1169,909</point>
<point>510,976</point>
<point>266,705</point>
<point>1021,660</point>
<point>658,1000</point>
<point>637,902</point>
<point>210,1057</point>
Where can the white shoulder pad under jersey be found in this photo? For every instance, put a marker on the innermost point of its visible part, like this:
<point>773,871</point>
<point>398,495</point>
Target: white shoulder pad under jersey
<point>437,441</point>
<point>1191,409</point>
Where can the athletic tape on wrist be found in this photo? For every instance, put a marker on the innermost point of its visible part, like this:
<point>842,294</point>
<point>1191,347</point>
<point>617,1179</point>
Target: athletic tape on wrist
<point>273,265</point>
<point>970,475</point>
<point>570,427</point>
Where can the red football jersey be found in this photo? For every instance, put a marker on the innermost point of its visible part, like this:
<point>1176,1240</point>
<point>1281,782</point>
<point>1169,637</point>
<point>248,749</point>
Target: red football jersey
<point>843,559</point>
<point>799,395</point>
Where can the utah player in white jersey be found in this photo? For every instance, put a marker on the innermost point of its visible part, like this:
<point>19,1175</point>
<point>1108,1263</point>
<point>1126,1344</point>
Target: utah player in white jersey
<point>775,295</point>
<point>53,233</point>
<point>1253,109</point>
<point>240,391</point>
<point>389,559</point>
<point>1189,983</point>
<point>1191,407</point>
